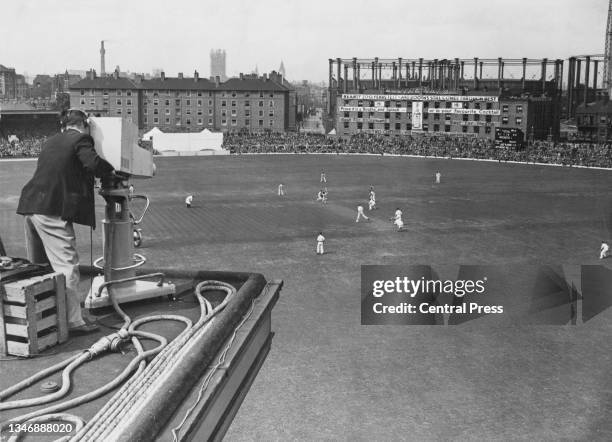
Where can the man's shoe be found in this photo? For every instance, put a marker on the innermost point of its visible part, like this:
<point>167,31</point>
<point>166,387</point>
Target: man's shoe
<point>88,317</point>
<point>83,329</point>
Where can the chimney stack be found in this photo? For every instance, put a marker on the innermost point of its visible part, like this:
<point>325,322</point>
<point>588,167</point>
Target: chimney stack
<point>102,54</point>
<point>163,75</point>
<point>275,76</point>
<point>241,76</point>
<point>217,80</point>
<point>180,75</point>
<point>196,76</point>
<point>91,74</point>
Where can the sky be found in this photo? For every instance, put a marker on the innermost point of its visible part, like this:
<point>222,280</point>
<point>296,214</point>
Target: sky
<point>50,36</point>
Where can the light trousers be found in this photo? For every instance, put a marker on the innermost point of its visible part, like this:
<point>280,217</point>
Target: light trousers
<point>51,240</point>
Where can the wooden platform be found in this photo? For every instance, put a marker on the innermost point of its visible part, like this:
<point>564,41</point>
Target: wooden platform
<point>32,314</point>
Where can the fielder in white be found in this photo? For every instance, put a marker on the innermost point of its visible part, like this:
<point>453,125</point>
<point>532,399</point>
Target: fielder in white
<point>371,204</point>
<point>604,251</point>
<point>323,177</point>
<point>281,190</point>
<point>360,213</point>
<point>188,201</point>
<point>397,219</point>
<point>322,196</point>
<point>438,177</point>
<point>372,199</point>
<point>320,241</point>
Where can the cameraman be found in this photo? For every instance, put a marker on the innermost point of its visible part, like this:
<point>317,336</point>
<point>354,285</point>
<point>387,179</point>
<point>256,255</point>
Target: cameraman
<point>62,192</point>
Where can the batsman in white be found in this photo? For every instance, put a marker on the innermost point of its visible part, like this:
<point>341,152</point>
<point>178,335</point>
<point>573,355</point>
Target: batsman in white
<point>360,213</point>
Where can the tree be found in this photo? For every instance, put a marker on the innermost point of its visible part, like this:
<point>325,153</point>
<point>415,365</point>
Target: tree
<point>62,101</point>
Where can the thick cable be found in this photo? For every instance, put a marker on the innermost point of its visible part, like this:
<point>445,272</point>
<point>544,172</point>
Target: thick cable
<point>127,420</point>
<point>112,418</point>
<point>132,385</point>
<point>146,378</point>
<point>144,320</point>
<point>139,359</point>
<point>52,396</point>
<point>35,378</point>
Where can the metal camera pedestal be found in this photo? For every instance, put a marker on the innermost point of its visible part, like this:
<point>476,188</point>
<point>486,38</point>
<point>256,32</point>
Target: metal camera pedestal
<point>119,261</point>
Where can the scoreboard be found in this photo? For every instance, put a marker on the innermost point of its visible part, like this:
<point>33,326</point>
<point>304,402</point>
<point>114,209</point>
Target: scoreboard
<point>508,138</point>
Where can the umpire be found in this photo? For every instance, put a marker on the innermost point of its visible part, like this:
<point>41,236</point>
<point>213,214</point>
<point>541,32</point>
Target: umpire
<point>61,193</point>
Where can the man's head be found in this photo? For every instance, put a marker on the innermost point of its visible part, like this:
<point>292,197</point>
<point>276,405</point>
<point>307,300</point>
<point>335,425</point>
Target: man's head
<point>74,119</point>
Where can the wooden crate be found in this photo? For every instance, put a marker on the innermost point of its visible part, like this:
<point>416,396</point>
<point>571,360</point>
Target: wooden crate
<point>33,314</point>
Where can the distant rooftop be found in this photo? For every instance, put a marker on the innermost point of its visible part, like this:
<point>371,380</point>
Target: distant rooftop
<point>176,83</point>
<point>247,83</point>
<point>107,82</point>
<point>274,82</point>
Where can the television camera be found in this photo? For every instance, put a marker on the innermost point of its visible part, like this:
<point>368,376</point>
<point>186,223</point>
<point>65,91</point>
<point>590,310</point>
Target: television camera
<point>116,140</point>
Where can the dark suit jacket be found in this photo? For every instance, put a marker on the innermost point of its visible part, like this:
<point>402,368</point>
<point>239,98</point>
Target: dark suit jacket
<point>63,183</point>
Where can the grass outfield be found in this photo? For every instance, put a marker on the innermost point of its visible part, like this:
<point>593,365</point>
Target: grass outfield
<point>327,376</point>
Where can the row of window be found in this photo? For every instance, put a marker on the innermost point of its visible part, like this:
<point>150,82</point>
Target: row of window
<point>200,122</point>
<point>518,108</point>
<point>234,112</point>
<point>128,102</point>
<point>210,94</point>
<point>118,92</point>
<point>105,102</point>
<point>128,111</point>
<point>178,93</point>
<point>187,93</point>
<point>233,103</point>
